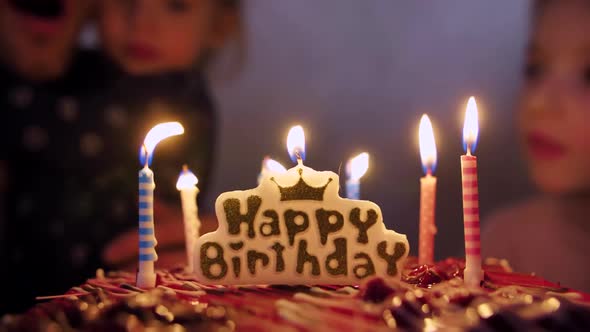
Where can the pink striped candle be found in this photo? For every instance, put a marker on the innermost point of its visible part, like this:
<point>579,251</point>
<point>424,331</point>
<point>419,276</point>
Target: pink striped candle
<point>473,273</point>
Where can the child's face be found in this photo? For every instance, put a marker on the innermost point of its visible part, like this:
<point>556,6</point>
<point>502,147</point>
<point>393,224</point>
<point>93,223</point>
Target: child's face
<point>554,112</point>
<point>149,36</point>
<point>37,37</point>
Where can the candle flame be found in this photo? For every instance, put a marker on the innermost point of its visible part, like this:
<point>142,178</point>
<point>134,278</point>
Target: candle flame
<point>357,166</point>
<point>158,133</point>
<point>186,179</point>
<point>427,145</point>
<point>296,143</point>
<point>272,165</point>
<point>470,127</point>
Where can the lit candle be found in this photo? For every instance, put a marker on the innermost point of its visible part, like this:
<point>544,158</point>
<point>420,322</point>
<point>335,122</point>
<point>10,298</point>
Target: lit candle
<point>296,144</point>
<point>473,273</point>
<point>355,169</point>
<point>187,185</point>
<point>270,166</point>
<point>146,276</point>
<point>427,192</point>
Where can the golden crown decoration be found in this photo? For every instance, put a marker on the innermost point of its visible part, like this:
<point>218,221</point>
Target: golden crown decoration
<point>301,191</point>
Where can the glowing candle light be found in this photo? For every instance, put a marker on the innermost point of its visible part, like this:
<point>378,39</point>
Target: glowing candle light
<point>187,185</point>
<point>473,273</point>
<point>296,144</point>
<point>355,169</point>
<point>270,166</point>
<point>146,276</point>
<point>427,192</point>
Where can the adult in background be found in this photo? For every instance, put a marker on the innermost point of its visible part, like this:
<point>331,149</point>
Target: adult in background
<point>41,75</point>
<point>72,156</point>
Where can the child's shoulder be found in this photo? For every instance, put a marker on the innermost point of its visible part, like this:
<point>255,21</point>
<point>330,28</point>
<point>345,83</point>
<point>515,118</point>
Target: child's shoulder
<point>522,215</point>
<point>505,229</point>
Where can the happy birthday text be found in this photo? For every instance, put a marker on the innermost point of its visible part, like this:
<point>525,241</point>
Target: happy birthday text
<point>287,229</point>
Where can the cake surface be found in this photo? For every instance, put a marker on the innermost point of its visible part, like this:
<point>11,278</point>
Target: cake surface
<point>428,298</point>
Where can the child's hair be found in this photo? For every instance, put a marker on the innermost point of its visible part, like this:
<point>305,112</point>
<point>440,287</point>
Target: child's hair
<point>235,6</point>
<point>231,4</point>
<point>236,35</point>
<point>539,5</point>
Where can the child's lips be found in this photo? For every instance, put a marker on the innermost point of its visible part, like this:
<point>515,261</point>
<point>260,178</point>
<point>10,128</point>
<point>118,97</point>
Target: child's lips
<point>142,52</point>
<point>544,147</point>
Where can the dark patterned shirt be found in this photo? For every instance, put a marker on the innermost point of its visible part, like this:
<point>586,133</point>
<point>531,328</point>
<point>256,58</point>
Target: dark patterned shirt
<point>69,160</point>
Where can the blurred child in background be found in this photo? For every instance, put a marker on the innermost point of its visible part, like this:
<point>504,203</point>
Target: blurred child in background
<point>160,50</point>
<point>550,233</point>
<point>157,36</point>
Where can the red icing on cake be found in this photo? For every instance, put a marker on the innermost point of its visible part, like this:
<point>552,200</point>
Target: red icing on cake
<point>430,297</point>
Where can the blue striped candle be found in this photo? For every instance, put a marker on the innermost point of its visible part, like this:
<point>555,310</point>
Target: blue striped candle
<point>146,277</point>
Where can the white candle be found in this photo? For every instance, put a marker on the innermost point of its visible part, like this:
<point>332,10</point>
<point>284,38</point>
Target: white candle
<point>146,276</point>
<point>355,169</point>
<point>427,192</point>
<point>473,273</point>
<point>187,185</point>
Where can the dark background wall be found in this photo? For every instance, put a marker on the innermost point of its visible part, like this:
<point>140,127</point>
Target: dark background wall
<point>358,75</point>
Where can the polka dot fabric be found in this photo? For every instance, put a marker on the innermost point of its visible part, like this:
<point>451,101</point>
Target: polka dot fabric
<point>69,163</point>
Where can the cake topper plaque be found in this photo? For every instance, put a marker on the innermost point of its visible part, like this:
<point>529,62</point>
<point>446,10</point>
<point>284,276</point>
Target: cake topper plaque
<point>294,228</point>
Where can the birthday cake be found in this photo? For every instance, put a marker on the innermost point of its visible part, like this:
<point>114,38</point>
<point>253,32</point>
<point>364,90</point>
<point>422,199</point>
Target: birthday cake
<point>292,255</point>
<point>428,298</point>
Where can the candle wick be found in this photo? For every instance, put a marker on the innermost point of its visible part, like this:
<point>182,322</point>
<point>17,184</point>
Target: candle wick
<point>429,171</point>
<point>298,156</point>
<point>469,149</point>
<point>147,156</point>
